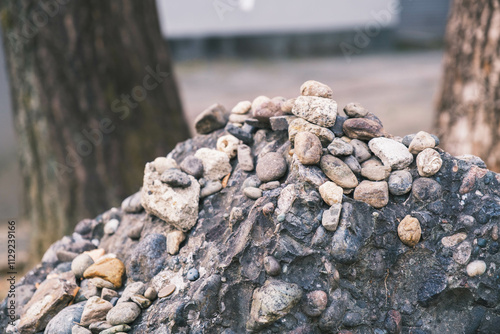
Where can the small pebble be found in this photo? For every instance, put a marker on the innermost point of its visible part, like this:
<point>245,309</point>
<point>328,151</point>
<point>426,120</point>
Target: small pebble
<point>360,150</point>
<point>108,294</point>
<point>400,182</point>
<point>101,283</point>
<point>80,264</point>
<point>192,166</point>
<point>476,268</point>
<point>193,274</point>
<point>242,107</point>
<point>268,209</point>
<point>352,163</point>
<point>272,266</point>
<point>453,240</point>
<point>174,240</point>
<point>409,231</point>
<point>150,293</point>
<point>245,158</point>
<point>340,147</point>
<point>175,178</point>
<point>481,242</point>
<point>162,164</point>
<point>252,192</point>
<point>123,313</point>
<point>374,193</point>
<point>270,167</point>
<point>337,171</point>
<point>429,162</point>
<point>135,232</point>
<point>140,300</point>
<point>420,142</point>
<point>111,226</point>
<point>315,88</point>
<point>494,233</point>
<point>229,145</point>
<point>331,217</point>
<point>355,109</point>
<point>210,188</point>
<point>315,304</point>
<point>317,110</point>
<point>270,185</point>
<point>166,291</point>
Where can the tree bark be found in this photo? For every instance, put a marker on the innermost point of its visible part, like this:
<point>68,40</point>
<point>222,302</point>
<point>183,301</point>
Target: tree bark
<point>94,99</point>
<point>468,109</point>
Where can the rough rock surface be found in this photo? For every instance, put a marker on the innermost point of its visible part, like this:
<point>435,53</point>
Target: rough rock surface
<point>268,265</point>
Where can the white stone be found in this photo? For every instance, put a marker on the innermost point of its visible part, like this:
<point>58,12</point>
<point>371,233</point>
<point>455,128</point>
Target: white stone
<point>242,107</point>
<point>429,162</point>
<point>162,164</point>
<point>228,144</point>
<point>331,193</point>
<point>476,268</point>
<point>392,153</point>
<point>111,226</point>
<point>215,163</point>
<point>317,110</point>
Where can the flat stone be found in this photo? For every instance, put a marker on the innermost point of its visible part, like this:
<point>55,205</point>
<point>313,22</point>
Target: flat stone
<point>372,162</point>
<point>271,302</point>
<point>174,240</point>
<point>216,164</point>
<point>476,268</point>
<point>211,119</point>
<point>80,264</point>
<point>120,329</point>
<point>272,266</point>
<point>245,158</point>
<point>355,110</point>
<point>110,269</point>
<point>77,329</point>
<point>166,291</point>
<point>317,110</point>
<point>340,147</point>
<point>270,185</point>
<point>299,125</point>
<point>132,204</point>
<point>95,310</point>
<point>360,150</point>
<point>252,192</point>
<point>66,256</point>
<point>420,142</point>
<point>240,119</point>
<point>123,313</point>
<point>400,182</point>
<point>281,123</point>
<point>162,164</point>
<point>429,162</point>
<point>409,231</point>
<point>374,193</point>
<point>192,166</point>
<point>175,178</point>
<point>242,107</point>
<point>331,193</point>
<point>259,124</point>
<point>315,88</point>
<point>376,173</point>
<point>270,167</point>
<point>392,153</point>
<point>228,144</point>
<point>210,188</point>
<point>308,148</point>
<point>315,303</point>
<point>337,171</point>
<point>363,128</point>
<point>99,327</point>
<point>331,217</point>
<point>176,206</point>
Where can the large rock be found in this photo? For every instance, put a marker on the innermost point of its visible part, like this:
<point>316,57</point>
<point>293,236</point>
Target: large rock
<point>176,206</point>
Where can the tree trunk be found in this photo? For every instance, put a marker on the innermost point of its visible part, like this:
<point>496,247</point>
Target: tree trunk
<point>94,99</point>
<point>468,110</point>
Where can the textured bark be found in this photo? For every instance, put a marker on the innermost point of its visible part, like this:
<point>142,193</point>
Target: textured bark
<point>87,111</point>
<point>468,110</point>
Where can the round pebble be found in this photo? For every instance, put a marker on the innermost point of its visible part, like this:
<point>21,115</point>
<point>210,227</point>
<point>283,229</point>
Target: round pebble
<point>400,182</point>
<point>409,231</point>
<point>331,193</point>
<point>315,304</point>
<point>123,313</point>
<point>193,274</point>
<point>476,268</point>
<point>315,88</point>
<point>271,167</point>
<point>151,293</point>
<point>338,171</point>
<point>252,192</point>
<point>192,166</point>
<point>272,266</point>
<point>242,107</point>
<point>80,264</point>
<point>429,162</point>
<point>420,142</point>
<point>111,226</point>
<point>355,109</point>
<point>166,291</point>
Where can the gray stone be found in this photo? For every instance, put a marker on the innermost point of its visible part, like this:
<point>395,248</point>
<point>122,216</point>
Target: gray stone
<point>353,164</point>
<point>243,133</point>
<point>111,226</point>
<point>360,150</point>
<point>317,110</point>
<point>192,166</point>
<point>308,148</point>
<point>340,147</point>
<point>76,329</point>
<point>331,217</point>
<point>147,258</point>
<point>175,178</point>
<point>355,109</point>
<point>132,203</point>
<point>210,188</point>
<point>120,329</point>
<point>338,171</point>
<point>135,231</point>
<point>245,158</point>
<point>63,322</point>
<point>80,264</point>
<point>101,283</point>
<point>193,274</point>
<point>252,192</point>
<point>272,266</point>
<point>392,153</point>
<point>99,327</point>
<point>108,294</point>
<point>136,288</point>
<point>270,167</point>
<point>400,182</point>
<point>426,190</point>
<point>212,118</point>
<point>123,313</point>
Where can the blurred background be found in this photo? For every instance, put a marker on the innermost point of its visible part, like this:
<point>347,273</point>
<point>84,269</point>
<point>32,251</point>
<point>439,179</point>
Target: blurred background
<point>385,54</point>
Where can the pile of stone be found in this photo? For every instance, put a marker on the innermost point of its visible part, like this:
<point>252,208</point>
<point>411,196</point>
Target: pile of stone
<point>282,216</point>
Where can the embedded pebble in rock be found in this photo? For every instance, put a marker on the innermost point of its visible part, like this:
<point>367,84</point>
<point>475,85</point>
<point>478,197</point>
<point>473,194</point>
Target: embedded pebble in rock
<point>453,240</point>
<point>331,217</point>
<point>340,147</point>
<point>242,107</point>
<point>308,148</point>
<point>141,301</point>
<point>426,190</point>
<point>110,269</point>
<point>315,303</point>
<point>174,240</point>
<point>162,164</point>
<point>175,178</point>
<point>355,110</point>
<point>210,188</point>
<point>392,153</point>
<point>80,264</point>
<point>270,167</point>
<point>108,294</point>
<point>123,313</point>
<point>192,166</point>
<point>476,268</point>
<point>132,203</point>
<point>331,193</point>
<point>429,162</point>
<point>271,302</point>
<point>315,88</point>
<point>316,110</point>
<point>420,142</point>
<point>245,158</point>
<point>360,150</point>
<point>229,145</point>
<point>95,310</point>
<point>252,192</point>
<point>176,206</point>
<point>135,231</point>
<point>376,173</point>
<point>193,274</point>
<point>263,108</point>
<point>337,171</point>
<point>272,266</point>
<point>353,164</point>
<point>374,193</point>
<point>243,133</point>
<point>101,283</point>
<point>215,163</point>
<point>363,128</point>
<point>211,119</point>
<point>299,125</point>
<point>462,253</point>
<point>166,291</point>
<point>150,293</point>
<point>99,327</point>
<point>400,182</point>
<point>393,322</point>
<point>268,209</point>
<point>409,231</point>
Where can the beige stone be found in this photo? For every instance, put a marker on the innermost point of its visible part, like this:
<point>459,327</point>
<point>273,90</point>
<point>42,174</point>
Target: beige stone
<point>109,269</point>
<point>429,162</point>
<point>420,142</point>
<point>174,240</point>
<point>409,231</point>
<point>374,193</point>
<point>331,193</point>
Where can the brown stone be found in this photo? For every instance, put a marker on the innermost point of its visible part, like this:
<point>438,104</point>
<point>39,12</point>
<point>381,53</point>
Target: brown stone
<point>308,148</point>
<point>409,231</point>
<point>166,291</point>
<point>337,171</point>
<point>469,180</point>
<point>95,310</point>
<point>110,269</point>
<point>363,128</point>
<point>374,193</point>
